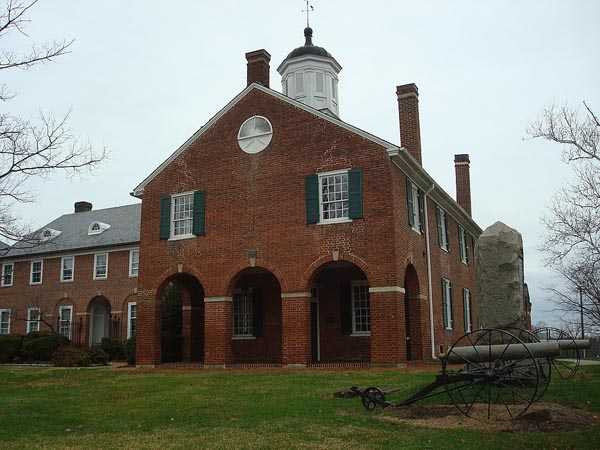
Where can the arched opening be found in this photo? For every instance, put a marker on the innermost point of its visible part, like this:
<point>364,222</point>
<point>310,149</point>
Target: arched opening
<point>413,315</point>
<point>99,320</point>
<point>256,294</point>
<point>181,300</point>
<point>340,314</point>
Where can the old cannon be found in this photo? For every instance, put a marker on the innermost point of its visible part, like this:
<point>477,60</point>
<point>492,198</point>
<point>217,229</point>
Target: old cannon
<point>489,373</point>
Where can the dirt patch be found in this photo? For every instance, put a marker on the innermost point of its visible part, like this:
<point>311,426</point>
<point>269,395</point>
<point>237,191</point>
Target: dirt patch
<point>539,417</point>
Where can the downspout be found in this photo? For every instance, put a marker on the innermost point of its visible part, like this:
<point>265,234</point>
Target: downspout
<point>429,286</point>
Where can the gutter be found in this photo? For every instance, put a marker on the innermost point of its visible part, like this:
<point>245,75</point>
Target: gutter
<point>429,284</point>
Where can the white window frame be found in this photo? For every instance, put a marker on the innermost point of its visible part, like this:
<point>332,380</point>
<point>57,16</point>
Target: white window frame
<point>96,277</point>
<point>300,87</point>
<point>462,243</point>
<point>172,235</point>
<point>322,175</point>
<point>12,274</point>
<point>443,226</point>
<point>31,329</point>
<point>129,318</point>
<point>61,308</point>
<point>414,193</point>
<point>447,304</point>
<point>41,261</point>
<point>249,311</point>
<point>8,311</point>
<point>62,268</point>
<point>355,332</point>
<point>137,269</point>
<point>467,309</point>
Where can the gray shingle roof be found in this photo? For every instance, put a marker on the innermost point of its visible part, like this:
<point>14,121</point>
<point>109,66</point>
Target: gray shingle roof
<point>124,228</point>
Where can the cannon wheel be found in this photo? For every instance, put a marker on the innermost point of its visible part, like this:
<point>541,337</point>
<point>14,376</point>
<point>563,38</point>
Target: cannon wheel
<point>372,397</point>
<point>544,364</point>
<point>497,388</point>
<point>564,370</point>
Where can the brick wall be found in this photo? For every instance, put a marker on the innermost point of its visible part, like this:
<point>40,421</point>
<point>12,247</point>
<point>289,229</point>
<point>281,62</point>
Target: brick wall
<point>118,289</point>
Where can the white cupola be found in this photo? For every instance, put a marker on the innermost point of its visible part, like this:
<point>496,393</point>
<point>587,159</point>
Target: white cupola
<point>309,74</point>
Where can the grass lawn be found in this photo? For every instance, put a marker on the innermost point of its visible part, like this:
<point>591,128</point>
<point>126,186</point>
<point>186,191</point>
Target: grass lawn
<point>106,408</point>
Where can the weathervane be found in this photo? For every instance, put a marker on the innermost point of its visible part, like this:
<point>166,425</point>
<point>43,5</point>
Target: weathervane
<point>309,8</point>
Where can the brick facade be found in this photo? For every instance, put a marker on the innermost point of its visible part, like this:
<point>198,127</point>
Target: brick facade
<point>118,290</point>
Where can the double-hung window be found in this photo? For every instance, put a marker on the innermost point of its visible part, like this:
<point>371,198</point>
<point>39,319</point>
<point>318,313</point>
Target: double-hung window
<point>67,268</point>
<point>243,313</point>
<point>131,319</point>
<point>464,247</point>
<point>447,303</point>
<point>33,319</point>
<point>37,268</point>
<point>7,274</point>
<point>334,197</point>
<point>4,321</point>
<point>414,203</point>
<point>361,315</point>
<point>182,215</point>
<point>65,319</point>
<point>467,309</point>
<point>134,262</point>
<point>442,228</point>
<point>100,266</point>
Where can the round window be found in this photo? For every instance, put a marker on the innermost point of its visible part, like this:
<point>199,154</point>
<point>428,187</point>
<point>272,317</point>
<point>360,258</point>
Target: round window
<point>255,134</point>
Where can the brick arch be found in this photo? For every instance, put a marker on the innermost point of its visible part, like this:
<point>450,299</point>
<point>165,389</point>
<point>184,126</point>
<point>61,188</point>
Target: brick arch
<point>133,298</point>
<point>414,314</point>
<point>317,264</point>
<point>171,273</point>
<point>412,284</point>
<point>230,278</point>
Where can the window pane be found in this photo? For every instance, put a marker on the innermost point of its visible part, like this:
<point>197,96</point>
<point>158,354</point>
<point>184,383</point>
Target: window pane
<point>183,206</point>
<point>360,309</point>
<point>299,82</point>
<point>334,196</point>
<point>243,314</point>
<point>320,83</point>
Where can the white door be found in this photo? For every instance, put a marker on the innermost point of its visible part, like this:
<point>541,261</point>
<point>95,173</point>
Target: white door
<point>99,324</point>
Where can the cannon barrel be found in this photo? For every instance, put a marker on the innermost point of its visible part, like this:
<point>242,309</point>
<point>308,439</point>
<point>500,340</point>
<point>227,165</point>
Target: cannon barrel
<point>573,344</point>
<point>488,353</point>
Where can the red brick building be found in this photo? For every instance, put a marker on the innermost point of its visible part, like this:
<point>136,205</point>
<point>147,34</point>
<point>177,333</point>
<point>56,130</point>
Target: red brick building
<point>77,276</point>
<point>280,234</point>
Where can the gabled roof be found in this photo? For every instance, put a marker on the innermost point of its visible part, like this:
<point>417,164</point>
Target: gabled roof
<point>124,229</point>
<point>399,155</point>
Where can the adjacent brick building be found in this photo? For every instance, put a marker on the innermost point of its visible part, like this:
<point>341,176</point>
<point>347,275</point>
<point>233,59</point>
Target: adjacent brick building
<point>280,234</point>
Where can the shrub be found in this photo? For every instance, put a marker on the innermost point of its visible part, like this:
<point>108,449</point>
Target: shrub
<point>10,345</point>
<point>43,347</point>
<point>130,348</point>
<point>114,348</point>
<point>98,356</point>
<point>71,356</point>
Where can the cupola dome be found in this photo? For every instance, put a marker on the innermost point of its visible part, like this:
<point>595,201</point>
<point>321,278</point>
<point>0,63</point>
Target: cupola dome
<point>309,74</point>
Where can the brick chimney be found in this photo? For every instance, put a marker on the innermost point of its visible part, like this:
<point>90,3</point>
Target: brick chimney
<point>83,207</point>
<point>408,108</point>
<point>258,67</point>
<point>463,181</point>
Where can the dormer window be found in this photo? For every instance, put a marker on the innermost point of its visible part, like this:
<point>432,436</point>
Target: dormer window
<point>97,228</point>
<point>48,234</point>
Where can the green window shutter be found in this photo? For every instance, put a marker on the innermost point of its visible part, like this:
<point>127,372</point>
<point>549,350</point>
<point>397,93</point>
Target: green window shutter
<point>438,220</point>
<point>258,313</point>
<point>421,211</point>
<point>444,300</point>
<point>410,207</point>
<point>355,189</point>
<point>199,218</point>
<point>451,321</point>
<point>346,308</point>
<point>466,246</point>
<point>165,218</point>
<point>311,192</point>
<point>446,231</point>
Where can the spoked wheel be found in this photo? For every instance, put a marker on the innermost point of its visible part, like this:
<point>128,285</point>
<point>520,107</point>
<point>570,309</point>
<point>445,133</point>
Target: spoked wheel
<point>544,364</point>
<point>564,369</point>
<point>500,377</point>
<point>372,398</point>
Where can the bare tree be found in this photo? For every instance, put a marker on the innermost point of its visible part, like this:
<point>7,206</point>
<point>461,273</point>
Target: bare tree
<point>572,243</point>
<point>28,148</point>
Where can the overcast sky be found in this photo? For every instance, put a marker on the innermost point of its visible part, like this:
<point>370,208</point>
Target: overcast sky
<point>144,75</point>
